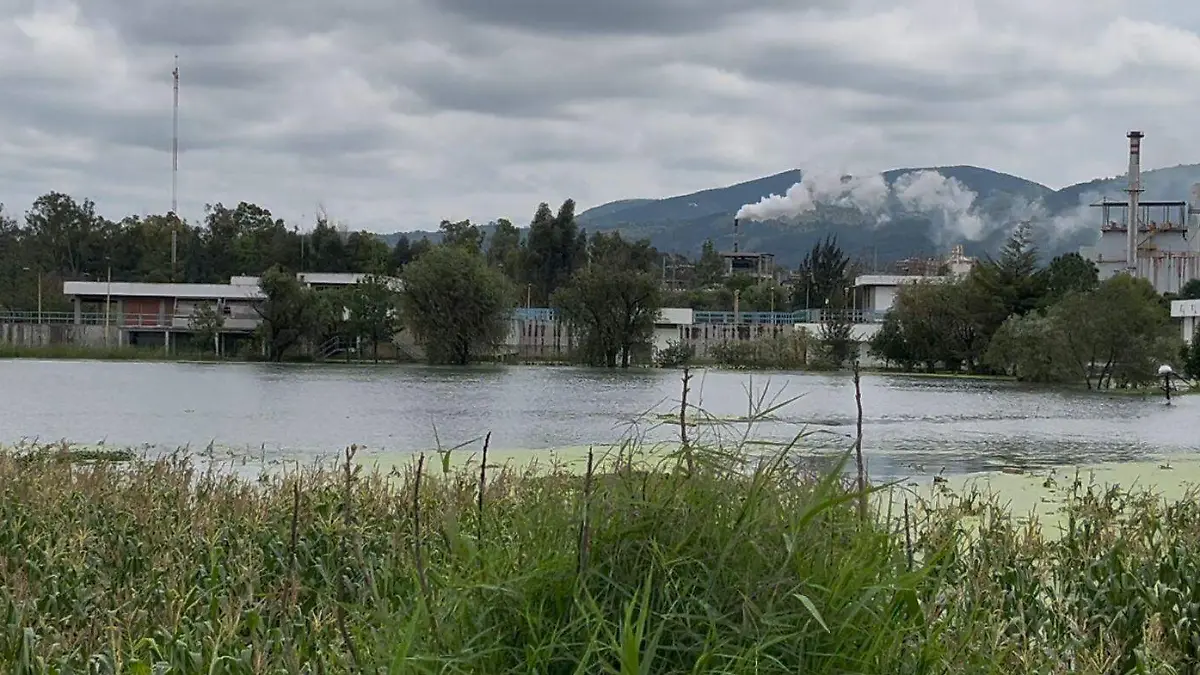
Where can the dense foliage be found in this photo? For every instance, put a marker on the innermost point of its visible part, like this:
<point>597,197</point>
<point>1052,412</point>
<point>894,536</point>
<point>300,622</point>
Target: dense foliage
<point>1051,324</point>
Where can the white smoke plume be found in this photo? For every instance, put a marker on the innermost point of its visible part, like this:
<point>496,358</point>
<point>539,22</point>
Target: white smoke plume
<point>866,194</point>
<point>956,212</point>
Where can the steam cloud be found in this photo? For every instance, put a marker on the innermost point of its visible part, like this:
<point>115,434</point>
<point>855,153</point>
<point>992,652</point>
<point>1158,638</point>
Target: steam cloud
<point>955,210</point>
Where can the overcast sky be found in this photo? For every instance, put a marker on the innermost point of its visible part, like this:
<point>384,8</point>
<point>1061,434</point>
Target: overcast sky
<point>394,114</point>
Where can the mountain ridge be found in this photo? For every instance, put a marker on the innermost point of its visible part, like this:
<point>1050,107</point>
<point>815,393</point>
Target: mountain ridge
<point>905,212</point>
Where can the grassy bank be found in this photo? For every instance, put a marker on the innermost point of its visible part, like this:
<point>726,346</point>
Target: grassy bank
<point>704,566</point>
<point>77,352</point>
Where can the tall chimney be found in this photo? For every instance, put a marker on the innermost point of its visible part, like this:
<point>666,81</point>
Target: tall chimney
<point>1135,193</point>
<point>735,235</point>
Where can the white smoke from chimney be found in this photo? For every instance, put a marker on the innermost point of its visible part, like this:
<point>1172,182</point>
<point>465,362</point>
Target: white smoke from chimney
<point>867,194</point>
<point>955,211</point>
<point>949,203</point>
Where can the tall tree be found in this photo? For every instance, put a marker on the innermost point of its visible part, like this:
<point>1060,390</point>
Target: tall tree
<point>710,267</point>
<point>504,249</point>
<point>290,312</point>
<point>324,249</point>
<point>367,254</point>
<point>822,275</point>
<point>554,249</point>
<point>67,236</point>
<point>613,301</point>
<point>372,304</point>
<point>1068,273</point>
<point>462,233</point>
<point>456,306</point>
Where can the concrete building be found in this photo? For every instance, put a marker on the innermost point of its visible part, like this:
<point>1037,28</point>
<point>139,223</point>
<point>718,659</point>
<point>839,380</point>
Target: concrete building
<point>151,314</point>
<point>1187,312</point>
<point>1154,240</point>
<point>875,294</point>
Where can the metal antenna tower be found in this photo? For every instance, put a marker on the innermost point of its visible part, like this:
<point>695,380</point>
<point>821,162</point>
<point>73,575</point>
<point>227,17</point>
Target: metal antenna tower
<point>175,168</point>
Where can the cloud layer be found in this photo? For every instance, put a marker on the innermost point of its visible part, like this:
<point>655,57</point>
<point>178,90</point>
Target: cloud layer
<point>395,114</point>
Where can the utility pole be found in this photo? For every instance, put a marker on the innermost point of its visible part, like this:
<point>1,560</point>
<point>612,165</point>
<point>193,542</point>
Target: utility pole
<point>175,170</point>
<point>107,303</point>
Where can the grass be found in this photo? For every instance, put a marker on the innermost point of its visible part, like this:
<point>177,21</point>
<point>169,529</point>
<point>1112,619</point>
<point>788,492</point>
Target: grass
<point>79,352</point>
<point>710,559</point>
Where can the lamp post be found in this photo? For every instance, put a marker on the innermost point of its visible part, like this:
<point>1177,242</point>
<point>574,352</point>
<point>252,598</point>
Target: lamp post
<point>1165,372</point>
<point>39,293</point>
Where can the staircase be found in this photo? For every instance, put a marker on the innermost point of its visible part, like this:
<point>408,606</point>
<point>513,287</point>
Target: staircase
<point>334,346</point>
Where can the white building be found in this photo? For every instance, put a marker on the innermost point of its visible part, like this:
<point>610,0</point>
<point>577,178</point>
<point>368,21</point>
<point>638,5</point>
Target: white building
<point>152,314</point>
<point>1188,313</point>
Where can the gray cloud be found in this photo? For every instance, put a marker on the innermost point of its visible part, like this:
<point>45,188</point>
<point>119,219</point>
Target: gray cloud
<point>395,115</point>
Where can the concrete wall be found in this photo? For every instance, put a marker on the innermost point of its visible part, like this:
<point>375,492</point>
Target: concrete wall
<point>48,334</point>
<point>534,339</point>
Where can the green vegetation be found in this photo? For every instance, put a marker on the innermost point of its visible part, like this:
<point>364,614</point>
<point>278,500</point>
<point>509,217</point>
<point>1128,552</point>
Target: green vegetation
<point>68,352</point>
<point>1056,324</point>
<point>707,560</point>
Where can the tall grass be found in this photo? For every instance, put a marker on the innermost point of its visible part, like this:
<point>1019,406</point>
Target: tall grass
<point>707,560</point>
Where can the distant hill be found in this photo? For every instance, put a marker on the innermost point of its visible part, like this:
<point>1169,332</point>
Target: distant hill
<point>897,230</point>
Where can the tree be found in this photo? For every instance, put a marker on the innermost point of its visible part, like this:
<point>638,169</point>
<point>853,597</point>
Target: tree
<point>837,332</point>
<point>822,275</point>
<point>372,305</point>
<point>456,306</point>
<point>710,268</point>
<point>1115,335</point>
<point>1012,281</point>
<point>1032,348</point>
<point>554,249</point>
<point>290,312</point>
<point>206,322</point>
<point>367,254</point>
<point>1068,273</point>
<point>888,343</point>
<point>1190,290</point>
<point>613,301</point>
<point>461,233</point>
<point>67,236</point>
<point>1191,358</point>
<point>504,249</point>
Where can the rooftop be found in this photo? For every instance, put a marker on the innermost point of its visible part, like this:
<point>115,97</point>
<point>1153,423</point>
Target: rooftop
<point>238,288</point>
<point>894,279</point>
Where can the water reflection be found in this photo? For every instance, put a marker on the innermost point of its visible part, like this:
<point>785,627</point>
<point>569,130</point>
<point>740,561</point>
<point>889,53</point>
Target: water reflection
<point>911,425</point>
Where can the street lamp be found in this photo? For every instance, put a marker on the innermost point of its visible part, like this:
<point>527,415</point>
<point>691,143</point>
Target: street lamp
<point>39,293</point>
<point>1165,372</point>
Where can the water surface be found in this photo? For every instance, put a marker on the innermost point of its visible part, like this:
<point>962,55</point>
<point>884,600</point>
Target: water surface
<point>911,424</point>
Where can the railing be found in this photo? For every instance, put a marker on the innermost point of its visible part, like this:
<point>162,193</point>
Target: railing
<point>165,321</point>
<point>535,314</point>
<point>121,319</point>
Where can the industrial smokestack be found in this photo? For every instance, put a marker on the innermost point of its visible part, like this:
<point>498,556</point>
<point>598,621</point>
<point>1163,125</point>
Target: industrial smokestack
<point>1135,193</point>
<point>735,235</point>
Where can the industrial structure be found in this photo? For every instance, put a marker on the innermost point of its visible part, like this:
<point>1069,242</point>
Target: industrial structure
<point>759,266</point>
<point>1155,240</point>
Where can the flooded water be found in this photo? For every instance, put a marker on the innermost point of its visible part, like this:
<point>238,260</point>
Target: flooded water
<point>911,425</point>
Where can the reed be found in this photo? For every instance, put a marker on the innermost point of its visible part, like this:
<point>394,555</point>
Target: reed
<point>716,560</point>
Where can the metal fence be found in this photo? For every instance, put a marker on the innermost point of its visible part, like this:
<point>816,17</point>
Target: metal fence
<point>132,320</point>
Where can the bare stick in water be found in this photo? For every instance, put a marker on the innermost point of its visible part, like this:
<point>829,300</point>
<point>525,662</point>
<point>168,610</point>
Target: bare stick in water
<point>585,530</point>
<point>487,440</point>
<point>858,456</point>
<point>684,445</point>
<point>418,558</point>
<point>294,590</point>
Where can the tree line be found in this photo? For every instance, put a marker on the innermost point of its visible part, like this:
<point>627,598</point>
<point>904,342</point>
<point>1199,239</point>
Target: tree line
<point>61,238</point>
<point>1056,324</point>
<point>456,299</point>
